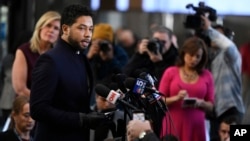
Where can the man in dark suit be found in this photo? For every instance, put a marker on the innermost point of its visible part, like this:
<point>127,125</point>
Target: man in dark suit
<point>63,83</point>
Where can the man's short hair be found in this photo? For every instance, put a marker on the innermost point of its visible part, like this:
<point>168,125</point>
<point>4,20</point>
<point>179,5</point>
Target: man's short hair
<point>72,12</point>
<point>162,29</point>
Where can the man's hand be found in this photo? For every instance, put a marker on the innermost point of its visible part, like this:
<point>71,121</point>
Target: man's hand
<point>93,49</point>
<point>136,127</point>
<point>142,48</point>
<point>92,120</point>
<point>206,23</point>
<point>155,57</point>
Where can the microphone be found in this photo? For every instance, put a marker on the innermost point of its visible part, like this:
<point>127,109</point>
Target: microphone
<point>119,79</point>
<point>139,86</point>
<point>151,82</point>
<point>137,72</point>
<point>114,86</point>
<point>112,96</point>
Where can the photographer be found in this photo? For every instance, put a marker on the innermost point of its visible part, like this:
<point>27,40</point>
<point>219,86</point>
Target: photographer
<point>154,54</point>
<point>225,64</point>
<point>105,57</point>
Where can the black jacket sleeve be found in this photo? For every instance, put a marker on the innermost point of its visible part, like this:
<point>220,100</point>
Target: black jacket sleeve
<point>150,137</point>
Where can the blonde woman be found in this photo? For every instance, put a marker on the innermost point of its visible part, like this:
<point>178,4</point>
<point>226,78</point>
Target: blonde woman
<point>45,34</point>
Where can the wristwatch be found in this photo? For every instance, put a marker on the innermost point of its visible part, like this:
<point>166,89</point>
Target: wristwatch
<point>144,133</point>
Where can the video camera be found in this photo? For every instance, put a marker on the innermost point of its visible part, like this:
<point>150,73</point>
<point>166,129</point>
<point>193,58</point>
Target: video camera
<point>195,21</point>
<point>155,45</point>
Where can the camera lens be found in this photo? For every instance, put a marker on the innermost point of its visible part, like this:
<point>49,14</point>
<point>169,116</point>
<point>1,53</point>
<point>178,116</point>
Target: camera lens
<point>104,46</point>
<point>155,45</point>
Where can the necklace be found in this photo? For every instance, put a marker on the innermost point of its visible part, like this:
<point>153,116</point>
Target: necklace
<point>190,76</point>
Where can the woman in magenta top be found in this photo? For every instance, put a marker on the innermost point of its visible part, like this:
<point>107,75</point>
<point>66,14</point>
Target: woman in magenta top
<point>188,79</point>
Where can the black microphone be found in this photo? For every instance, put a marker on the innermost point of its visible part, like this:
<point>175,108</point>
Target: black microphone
<point>139,86</point>
<point>152,80</point>
<point>119,79</point>
<point>137,72</point>
<point>112,96</point>
<point>114,86</point>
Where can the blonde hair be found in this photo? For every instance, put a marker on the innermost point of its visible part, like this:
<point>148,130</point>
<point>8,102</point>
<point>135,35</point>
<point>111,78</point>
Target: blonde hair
<point>45,19</point>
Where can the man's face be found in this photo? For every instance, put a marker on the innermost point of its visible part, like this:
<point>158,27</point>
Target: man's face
<point>224,131</point>
<point>79,34</point>
<point>126,38</point>
<point>164,38</point>
<point>23,120</point>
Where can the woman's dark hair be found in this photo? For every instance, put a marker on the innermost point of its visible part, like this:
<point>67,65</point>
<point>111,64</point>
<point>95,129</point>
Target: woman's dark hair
<point>191,46</point>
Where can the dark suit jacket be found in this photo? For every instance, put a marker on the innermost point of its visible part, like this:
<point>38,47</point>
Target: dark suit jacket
<point>142,61</point>
<point>62,84</point>
<point>150,137</point>
<point>9,135</point>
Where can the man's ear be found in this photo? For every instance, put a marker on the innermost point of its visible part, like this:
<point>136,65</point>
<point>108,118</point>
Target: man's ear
<point>65,29</point>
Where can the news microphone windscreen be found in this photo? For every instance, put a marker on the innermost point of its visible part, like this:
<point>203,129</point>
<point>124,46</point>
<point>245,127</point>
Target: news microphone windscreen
<point>143,75</point>
<point>129,82</point>
<point>137,86</point>
<point>102,90</point>
<point>119,80</point>
<point>138,72</point>
<point>118,77</point>
<point>113,86</point>
<point>149,78</point>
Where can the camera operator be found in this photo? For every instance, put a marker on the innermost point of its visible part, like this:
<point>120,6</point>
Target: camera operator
<point>105,57</point>
<point>154,54</point>
<point>225,64</point>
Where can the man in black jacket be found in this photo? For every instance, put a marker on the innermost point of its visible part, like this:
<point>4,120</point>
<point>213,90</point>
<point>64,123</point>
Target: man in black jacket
<point>62,83</point>
<point>155,54</point>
